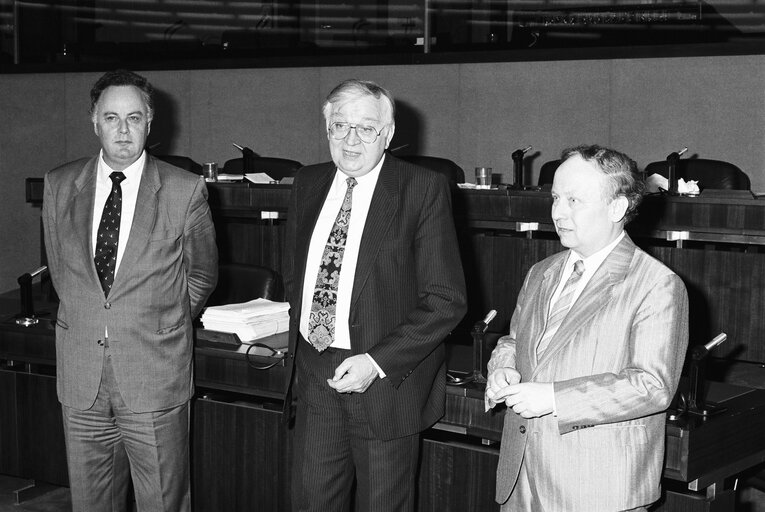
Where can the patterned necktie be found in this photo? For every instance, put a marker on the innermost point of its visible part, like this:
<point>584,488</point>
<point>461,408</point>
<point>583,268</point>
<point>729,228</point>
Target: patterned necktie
<point>559,310</point>
<point>109,234</point>
<point>321,323</point>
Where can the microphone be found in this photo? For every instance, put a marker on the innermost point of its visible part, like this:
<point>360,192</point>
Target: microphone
<point>517,157</point>
<point>27,316</point>
<point>248,158</point>
<point>695,402</point>
<point>521,152</point>
<point>672,159</point>
<point>701,351</point>
<point>677,154</point>
<point>482,325</point>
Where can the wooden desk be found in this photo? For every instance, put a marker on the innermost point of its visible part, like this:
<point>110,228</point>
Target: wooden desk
<point>241,450</point>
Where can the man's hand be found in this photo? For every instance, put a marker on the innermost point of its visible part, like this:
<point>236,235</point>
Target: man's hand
<point>499,379</point>
<point>528,399</point>
<point>354,375</point>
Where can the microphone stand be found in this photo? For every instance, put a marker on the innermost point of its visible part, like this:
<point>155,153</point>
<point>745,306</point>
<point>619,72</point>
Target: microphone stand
<point>517,157</point>
<point>479,329</point>
<point>672,160</point>
<point>248,158</point>
<point>27,316</point>
<point>696,405</point>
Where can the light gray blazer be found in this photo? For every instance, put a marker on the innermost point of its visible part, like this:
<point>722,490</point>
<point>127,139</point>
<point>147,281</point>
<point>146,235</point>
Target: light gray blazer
<point>169,268</point>
<point>615,363</point>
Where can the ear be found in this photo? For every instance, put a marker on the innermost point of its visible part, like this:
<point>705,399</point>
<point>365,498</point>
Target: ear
<point>618,209</point>
<point>389,137</point>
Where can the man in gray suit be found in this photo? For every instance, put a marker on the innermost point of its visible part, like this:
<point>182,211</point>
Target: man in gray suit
<point>594,354</point>
<point>132,255</point>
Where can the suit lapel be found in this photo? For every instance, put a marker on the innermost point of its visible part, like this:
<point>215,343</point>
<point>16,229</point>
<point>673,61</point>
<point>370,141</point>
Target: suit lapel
<point>541,307</point>
<point>382,209</point>
<point>82,214</point>
<point>143,221</point>
<point>596,294</point>
<point>310,197</point>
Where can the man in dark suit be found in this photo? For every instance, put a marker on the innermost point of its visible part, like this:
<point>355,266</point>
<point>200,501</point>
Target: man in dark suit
<point>132,255</point>
<point>375,284</point>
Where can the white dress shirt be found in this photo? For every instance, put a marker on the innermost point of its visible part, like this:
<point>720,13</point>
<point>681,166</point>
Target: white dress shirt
<point>361,200</point>
<point>129,197</point>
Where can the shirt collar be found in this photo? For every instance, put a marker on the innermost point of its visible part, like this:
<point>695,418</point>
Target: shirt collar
<point>371,176</point>
<point>132,171</point>
<point>594,260</point>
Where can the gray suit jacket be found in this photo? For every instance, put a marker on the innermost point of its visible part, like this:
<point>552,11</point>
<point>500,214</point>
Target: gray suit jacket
<point>168,270</point>
<point>615,362</point>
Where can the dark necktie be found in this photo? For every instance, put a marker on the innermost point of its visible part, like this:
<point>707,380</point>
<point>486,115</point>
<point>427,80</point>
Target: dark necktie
<point>559,310</point>
<point>109,234</point>
<point>321,323</point>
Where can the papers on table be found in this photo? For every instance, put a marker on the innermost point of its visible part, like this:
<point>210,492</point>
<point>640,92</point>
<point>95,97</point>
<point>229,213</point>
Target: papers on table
<point>259,178</point>
<point>230,177</point>
<point>250,321</point>
<point>656,183</point>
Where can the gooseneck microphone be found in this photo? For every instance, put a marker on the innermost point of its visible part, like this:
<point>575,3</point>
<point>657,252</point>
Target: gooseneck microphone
<point>672,160</point>
<point>517,157</point>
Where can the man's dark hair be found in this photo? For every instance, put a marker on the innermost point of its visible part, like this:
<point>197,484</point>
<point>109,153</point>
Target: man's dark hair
<point>118,78</point>
<point>621,171</point>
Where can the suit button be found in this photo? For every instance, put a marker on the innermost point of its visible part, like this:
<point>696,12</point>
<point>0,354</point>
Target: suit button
<point>107,305</point>
<point>522,429</point>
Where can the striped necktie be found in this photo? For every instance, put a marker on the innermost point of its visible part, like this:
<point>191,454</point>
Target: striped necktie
<point>560,308</point>
<point>321,323</point>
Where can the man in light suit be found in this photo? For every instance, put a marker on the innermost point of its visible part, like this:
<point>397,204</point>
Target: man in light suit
<point>132,255</point>
<point>373,272</point>
<point>594,354</point>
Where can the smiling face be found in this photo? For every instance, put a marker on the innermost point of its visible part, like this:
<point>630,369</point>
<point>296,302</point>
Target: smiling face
<point>586,218</point>
<point>122,122</point>
<point>351,155</point>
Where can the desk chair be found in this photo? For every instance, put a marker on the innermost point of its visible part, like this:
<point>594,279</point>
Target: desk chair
<point>442,165</point>
<point>714,174</point>
<point>238,282</point>
<point>547,172</point>
<point>277,168</point>
<point>183,162</point>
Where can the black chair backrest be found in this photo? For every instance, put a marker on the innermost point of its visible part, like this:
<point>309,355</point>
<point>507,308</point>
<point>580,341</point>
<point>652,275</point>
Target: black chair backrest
<point>183,162</point>
<point>713,174</point>
<point>241,283</point>
<point>442,165</point>
<point>547,172</point>
<point>276,168</point>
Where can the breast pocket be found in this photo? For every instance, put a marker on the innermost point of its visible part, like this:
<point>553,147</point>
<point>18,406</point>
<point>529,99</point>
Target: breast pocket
<point>611,435</point>
<point>165,246</point>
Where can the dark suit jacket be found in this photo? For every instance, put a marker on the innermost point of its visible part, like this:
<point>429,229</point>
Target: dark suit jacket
<point>168,270</point>
<point>408,290</point>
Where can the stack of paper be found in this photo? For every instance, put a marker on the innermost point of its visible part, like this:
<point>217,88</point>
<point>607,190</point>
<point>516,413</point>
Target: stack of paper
<point>251,320</point>
<point>260,178</point>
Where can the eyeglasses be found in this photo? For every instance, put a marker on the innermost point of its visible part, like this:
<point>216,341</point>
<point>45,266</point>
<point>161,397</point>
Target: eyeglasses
<point>367,134</point>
